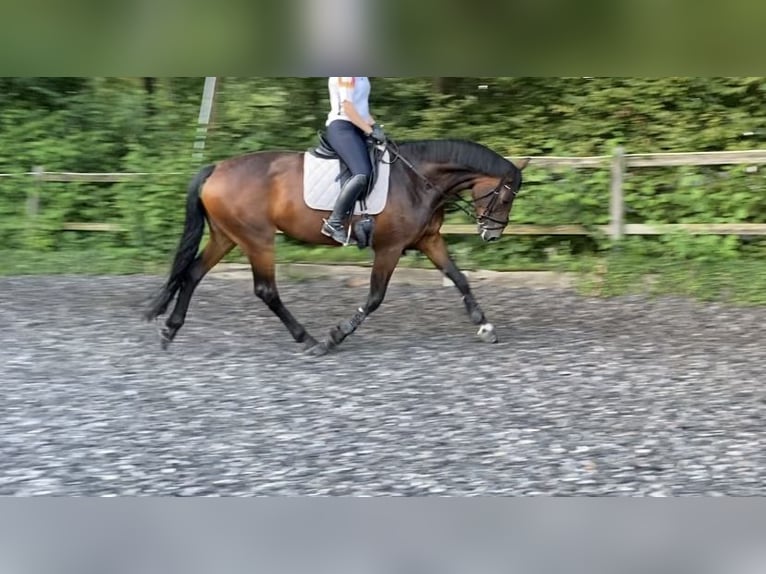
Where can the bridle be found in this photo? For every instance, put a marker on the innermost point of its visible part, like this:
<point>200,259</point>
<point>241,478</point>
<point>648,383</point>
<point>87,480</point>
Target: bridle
<point>464,204</point>
<point>489,209</point>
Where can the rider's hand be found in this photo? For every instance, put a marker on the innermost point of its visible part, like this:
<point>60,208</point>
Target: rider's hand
<point>377,134</point>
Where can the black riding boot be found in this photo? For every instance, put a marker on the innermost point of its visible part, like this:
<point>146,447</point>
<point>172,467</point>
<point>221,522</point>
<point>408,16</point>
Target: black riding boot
<point>344,205</point>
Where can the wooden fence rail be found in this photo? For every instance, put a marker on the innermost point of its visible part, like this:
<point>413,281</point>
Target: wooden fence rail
<point>618,163</point>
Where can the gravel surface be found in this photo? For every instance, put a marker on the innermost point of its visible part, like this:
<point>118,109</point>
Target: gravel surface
<point>628,396</point>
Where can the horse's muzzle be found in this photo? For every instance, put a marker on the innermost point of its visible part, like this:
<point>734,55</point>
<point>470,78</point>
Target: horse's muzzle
<point>490,235</point>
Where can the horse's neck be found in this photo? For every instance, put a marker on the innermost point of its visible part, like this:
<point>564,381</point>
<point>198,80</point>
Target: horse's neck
<point>452,180</point>
<point>444,185</point>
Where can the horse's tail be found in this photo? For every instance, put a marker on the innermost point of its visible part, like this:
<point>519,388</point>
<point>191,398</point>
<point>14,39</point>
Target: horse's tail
<point>188,246</point>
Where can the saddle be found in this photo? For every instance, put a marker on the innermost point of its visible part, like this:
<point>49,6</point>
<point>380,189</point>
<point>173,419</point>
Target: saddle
<point>324,150</point>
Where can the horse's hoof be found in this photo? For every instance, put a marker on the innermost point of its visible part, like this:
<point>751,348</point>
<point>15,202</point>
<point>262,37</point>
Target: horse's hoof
<point>339,333</point>
<point>487,333</point>
<point>165,340</point>
<point>309,342</point>
<point>318,350</point>
<point>166,337</point>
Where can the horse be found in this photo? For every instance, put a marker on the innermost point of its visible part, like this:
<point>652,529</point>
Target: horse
<point>245,199</point>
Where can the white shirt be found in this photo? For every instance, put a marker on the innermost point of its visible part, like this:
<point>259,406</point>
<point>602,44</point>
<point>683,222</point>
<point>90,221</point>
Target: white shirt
<point>355,90</point>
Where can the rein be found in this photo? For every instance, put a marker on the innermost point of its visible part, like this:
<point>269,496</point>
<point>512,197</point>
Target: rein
<point>463,204</point>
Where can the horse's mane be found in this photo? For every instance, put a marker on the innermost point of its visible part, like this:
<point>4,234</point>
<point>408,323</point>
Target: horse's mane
<point>472,155</point>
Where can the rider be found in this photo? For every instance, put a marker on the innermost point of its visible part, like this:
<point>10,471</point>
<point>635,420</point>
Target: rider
<point>348,124</point>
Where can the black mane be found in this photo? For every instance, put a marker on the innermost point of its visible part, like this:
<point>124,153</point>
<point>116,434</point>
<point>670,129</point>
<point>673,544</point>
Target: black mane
<point>471,155</point>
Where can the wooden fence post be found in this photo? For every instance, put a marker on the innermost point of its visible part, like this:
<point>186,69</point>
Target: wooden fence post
<point>33,193</point>
<point>205,112</point>
<point>616,201</point>
<point>33,207</point>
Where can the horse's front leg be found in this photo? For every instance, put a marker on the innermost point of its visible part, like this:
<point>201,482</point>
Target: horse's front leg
<point>382,268</point>
<point>435,248</point>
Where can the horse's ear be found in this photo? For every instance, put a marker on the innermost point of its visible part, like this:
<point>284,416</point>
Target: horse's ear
<point>523,163</point>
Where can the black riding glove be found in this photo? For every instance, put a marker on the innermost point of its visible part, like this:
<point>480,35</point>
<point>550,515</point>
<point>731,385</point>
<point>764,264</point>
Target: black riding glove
<point>377,135</point>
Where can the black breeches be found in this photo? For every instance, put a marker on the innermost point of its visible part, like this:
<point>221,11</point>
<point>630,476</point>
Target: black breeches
<point>350,144</point>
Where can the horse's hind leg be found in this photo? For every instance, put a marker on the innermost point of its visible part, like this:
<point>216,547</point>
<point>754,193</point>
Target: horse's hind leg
<point>218,245</point>
<point>434,247</point>
<point>261,258</point>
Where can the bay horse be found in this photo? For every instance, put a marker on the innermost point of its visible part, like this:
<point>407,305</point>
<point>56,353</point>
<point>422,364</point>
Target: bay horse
<point>245,199</point>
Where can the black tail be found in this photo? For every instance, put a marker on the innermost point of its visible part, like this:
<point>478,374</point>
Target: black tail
<point>194,228</point>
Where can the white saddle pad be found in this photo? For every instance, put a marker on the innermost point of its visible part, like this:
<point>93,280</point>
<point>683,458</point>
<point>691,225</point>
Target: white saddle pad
<point>321,184</point>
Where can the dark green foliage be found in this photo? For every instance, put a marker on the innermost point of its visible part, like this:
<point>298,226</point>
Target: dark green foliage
<point>149,125</point>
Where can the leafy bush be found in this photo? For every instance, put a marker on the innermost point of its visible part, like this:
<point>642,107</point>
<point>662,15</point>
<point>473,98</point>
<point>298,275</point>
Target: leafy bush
<point>149,125</point>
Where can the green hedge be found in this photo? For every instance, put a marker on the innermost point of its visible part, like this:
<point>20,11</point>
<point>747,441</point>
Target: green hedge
<point>148,125</point>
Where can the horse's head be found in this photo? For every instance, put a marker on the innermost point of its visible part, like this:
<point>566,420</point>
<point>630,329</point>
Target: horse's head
<point>493,199</point>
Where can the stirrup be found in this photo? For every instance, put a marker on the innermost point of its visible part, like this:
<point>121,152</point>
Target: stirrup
<point>338,234</point>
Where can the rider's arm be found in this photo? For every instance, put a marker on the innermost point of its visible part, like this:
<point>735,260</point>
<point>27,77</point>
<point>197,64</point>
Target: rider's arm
<point>356,119</point>
<point>345,90</point>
